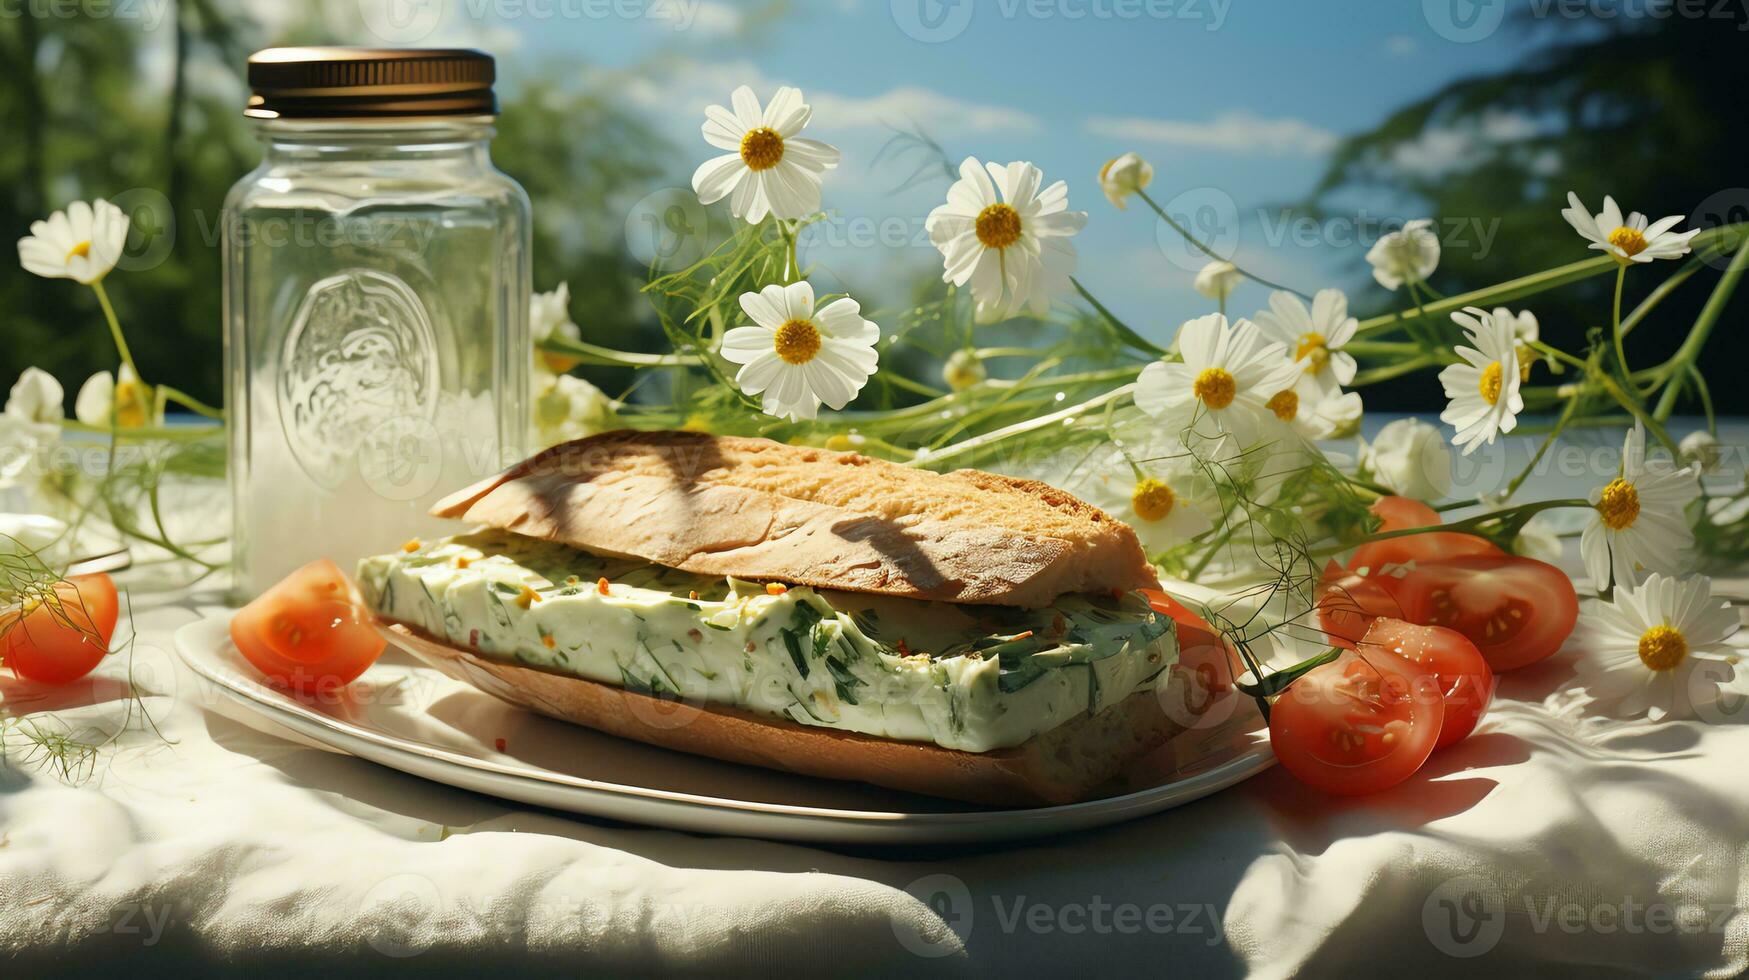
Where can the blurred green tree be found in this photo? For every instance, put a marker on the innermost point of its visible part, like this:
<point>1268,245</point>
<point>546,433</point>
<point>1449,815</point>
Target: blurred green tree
<point>150,116</point>
<point>1639,107</point>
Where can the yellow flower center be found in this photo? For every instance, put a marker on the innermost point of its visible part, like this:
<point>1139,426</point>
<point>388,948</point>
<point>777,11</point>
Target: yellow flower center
<point>82,250</point>
<point>1493,377</point>
<point>133,405</point>
<point>1619,504</point>
<point>1152,500</point>
<point>1662,648</point>
<point>1315,348</point>
<point>1527,358</point>
<point>762,148</point>
<point>1215,387</point>
<point>998,226</point>
<point>1285,405</point>
<point>797,341</point>
<point>1630,240</point>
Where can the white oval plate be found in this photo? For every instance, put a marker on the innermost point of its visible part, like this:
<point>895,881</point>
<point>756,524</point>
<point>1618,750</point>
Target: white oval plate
<point>407,716</point>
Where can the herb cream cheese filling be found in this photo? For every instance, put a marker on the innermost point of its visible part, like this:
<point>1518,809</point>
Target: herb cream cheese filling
<point>973,678</point>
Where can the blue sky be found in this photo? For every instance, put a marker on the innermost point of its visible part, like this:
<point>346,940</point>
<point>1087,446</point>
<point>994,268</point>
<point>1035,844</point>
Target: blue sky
<point>1236,103</point>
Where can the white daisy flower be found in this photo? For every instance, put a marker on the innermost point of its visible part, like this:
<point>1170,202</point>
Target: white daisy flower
<point>121,399</point>
<point>1217,280</point>
<point>1525,331</point>
<point>36,397</point>
<point>29,424</point>
<point>83,242</point>
<point>1316,411</point>
<point>1628,239</point>
<point>549,318</point>
<point>1155,502</point>
<point>769,169</point>
<point>1410,458</point>
<point>1006,238</point>
<point>568,407</point>
<point>1225,382</point>
<point>1484,389</point>
<point>1408,255</point>
<point>1639,520</point>
<point>1315,337</point>
<point>799,357</point>
<point>1645,645</point>
<point>1123,176</point>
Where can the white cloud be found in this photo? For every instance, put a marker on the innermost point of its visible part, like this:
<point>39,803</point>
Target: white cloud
<point>1232,132</point>
<point>685,86</point>
<point>713,19</point>
<point>1441,150</point>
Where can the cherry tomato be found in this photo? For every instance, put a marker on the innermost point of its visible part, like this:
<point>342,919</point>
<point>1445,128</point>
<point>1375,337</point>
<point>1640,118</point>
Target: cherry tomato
<point>1348,602</point>
<point>1464,681</point>
<point>60,645</point>
<point>309,632</point>
<point>1401,514</point>
<point>1517,611</point>
<point>1355,725</point>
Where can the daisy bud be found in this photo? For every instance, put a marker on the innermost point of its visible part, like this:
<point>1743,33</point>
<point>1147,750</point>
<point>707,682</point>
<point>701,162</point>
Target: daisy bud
<point>963,370</point>
<point>1123,176</point>
<point>1217,280</point>
<point>1702,451</point>
<point>1410,458</point>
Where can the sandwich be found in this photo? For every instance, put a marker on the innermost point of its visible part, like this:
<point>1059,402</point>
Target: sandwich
<point>964,635</point>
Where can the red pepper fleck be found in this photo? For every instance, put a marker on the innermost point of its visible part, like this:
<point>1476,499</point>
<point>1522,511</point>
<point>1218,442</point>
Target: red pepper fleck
<point>601,586</point>
<point>500,745</point>
<point>473,638</point>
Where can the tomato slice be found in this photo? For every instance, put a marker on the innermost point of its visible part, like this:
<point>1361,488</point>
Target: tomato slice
<point>1462,676</point>
<point>309,632</point>
<point>59,646</point>
<point>1356,725</point>
<point>1517,611</point>
<point>1401,514</point>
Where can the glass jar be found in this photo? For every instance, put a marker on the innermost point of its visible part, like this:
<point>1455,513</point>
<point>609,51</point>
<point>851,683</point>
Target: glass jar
<point>376,292</point>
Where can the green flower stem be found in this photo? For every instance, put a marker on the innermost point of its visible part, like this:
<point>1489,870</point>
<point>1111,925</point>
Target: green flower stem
<point>190,402</point>
<point>1541,450</point>
<point>588,353</point>
<point>1204,249</point>
<point>1695,263</point>
<point>1621,357</point>
<point>1638,411</point>
<point>169,433</point>
<point>1517,515</point>
<point>1689,353</point>
<point>121,343</point>
<point>1129,335</point>
<point>988,439</point>
<point>1513,289</point>
<point>1397,370</point>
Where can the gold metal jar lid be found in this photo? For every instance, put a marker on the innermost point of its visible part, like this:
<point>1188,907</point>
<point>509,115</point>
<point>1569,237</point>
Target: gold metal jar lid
<point>370,83</point>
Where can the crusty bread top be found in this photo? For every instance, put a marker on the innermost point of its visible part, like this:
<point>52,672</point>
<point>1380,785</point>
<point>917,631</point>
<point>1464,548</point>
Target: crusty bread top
<point>757,509</point>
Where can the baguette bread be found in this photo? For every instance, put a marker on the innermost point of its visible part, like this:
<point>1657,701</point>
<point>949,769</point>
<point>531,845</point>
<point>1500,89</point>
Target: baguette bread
<point>758,509</point>
<point>1067,764</point>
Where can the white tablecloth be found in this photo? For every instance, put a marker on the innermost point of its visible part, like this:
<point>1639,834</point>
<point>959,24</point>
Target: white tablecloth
<point>1581,844</point>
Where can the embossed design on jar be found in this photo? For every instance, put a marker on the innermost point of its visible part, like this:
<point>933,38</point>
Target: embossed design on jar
<point>360,351</point>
